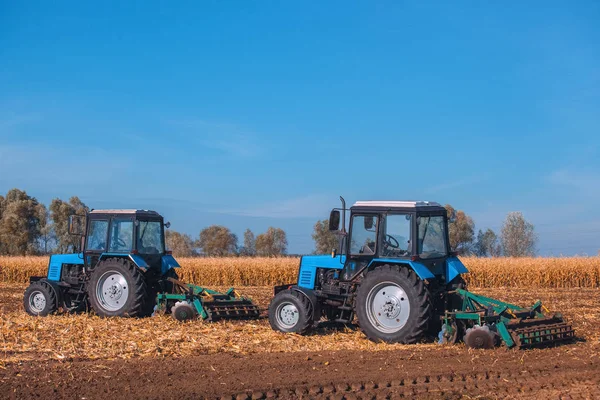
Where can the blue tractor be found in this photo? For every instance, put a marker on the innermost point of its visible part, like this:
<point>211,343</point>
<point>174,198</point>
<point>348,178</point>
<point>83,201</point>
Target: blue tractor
<point>122,266</point>
<point>397,275</point>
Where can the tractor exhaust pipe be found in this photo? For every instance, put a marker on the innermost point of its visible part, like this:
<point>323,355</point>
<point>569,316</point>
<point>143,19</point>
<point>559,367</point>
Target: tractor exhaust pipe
<point>343,215</point>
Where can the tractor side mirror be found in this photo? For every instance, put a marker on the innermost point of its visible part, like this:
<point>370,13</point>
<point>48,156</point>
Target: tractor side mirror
<point>168,225</point>
<point>77,225</point>
<point>334,220</point>
<point>368,221</point>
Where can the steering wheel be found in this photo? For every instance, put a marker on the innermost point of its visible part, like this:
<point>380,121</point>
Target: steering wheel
<point>391,242</point>
<point>121,243</point>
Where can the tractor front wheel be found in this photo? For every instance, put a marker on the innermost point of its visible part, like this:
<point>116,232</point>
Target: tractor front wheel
<point>290,311</point>
<point>393,305</point>
<point>40,299</point>
<point>117,288</point>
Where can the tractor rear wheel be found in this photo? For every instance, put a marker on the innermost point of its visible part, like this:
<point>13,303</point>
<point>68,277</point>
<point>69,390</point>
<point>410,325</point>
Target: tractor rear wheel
<point>393,305</point>
<point>117,288</point>
<point>290,311</point>
<point>40,299</point>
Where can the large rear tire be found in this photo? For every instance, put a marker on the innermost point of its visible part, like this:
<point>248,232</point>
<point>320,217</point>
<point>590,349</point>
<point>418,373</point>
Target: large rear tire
<point>290,311</point>
<point>40,299</point>
<point>393,305</point>
<point>117,288</point>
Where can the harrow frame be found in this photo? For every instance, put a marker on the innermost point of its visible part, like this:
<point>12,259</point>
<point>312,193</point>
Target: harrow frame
<point>516,326</point>
<point>209,304</point>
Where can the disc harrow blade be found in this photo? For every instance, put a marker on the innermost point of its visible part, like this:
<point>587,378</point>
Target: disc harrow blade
<point>231,309</point>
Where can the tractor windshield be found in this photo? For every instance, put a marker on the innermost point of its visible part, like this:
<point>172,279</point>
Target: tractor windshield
<point>149,237</point>
<point>432,236</point>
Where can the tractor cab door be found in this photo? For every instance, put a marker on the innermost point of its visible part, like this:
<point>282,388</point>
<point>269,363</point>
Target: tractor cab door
<point>95,241</point>
<point>362,245</point>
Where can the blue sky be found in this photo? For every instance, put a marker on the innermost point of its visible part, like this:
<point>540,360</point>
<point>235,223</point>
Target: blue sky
<point>251,114</point>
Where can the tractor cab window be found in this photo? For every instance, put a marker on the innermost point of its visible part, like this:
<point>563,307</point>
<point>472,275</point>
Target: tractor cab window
<point>396,239</point>
<point>432,236</point>
<point>98,231</point>
<point>121,235</point>
<point>149,237</point>
<point>364,234</point>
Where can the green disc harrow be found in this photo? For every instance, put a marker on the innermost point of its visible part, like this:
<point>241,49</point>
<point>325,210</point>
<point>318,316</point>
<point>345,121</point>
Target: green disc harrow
<point>190,301</point>
<point>485,321</point>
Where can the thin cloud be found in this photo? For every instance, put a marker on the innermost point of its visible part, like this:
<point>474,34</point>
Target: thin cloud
<point>9,123</point>
<point>312,206</point>
<point>452,185</point>
<point>585,182</point>
<point>227,138</point>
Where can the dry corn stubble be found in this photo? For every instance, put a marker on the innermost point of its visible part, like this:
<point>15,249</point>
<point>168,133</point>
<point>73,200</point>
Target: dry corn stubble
<point>260,271</point>
<point>86,336</point>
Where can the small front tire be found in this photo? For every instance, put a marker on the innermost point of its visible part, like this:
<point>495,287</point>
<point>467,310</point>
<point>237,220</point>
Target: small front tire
<point>290,311</point>
<point>40,299</point>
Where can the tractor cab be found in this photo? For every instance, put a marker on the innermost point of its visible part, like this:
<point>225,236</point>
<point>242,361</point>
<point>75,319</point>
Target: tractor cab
<point>414,232</point>
<point>139,233</point>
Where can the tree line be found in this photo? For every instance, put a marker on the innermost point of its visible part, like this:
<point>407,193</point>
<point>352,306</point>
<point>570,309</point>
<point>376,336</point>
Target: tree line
<point>28,227</point>
<point>517,237</point>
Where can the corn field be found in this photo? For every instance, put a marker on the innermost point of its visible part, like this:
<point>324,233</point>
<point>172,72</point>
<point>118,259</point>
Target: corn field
<point>241,271</point>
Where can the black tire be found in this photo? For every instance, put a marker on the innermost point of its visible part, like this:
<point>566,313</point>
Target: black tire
<point>132,288</point>
<point>409,323</point>
<point>40,299</point>
<point>297,303</point>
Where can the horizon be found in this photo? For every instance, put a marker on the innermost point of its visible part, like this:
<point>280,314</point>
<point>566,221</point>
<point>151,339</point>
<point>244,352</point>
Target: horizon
<point>264,114</point>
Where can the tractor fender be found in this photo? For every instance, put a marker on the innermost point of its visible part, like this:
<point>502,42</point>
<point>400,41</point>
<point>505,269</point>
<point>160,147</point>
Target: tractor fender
<point>312,298</point>
<point>421,270</point>
<point>137,260</point>
<point>168,262</point>
<point>56,288</point>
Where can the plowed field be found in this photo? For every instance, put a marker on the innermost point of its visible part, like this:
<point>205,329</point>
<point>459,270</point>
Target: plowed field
<point>83,356</point>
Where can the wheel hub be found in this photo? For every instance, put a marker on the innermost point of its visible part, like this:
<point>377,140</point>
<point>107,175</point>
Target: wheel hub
<point>388,307</point>
<point>37,301</point>
<point>111,291</point>
<point>287,314</point>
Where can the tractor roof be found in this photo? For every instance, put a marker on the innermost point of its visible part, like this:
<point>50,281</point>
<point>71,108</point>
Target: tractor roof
<point>397,205</point>
<point>128,212</point>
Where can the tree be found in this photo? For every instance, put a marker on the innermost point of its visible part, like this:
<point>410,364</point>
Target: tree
<point>461,230</point>
<point>325,240</point>
<point>518,236</point>
<point>487,244</point>
<point>249,248</point>
<point>59,214</point>
<point>181,244</point>
<point>47,234</point>
<point>271,243</point>
<point>20,223</point>
<point>217,241</point>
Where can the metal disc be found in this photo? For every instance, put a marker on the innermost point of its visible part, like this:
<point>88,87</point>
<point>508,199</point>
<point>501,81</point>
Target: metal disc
<point>37,301</point>
<point>287,315</point>
<point>479,337</point>
<point>388,307</point>
<point>112,291</point>
<point>183,311</point>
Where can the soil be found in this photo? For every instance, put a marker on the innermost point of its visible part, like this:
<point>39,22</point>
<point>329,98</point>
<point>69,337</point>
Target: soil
<point>423,371</point>
<point>495,374</point>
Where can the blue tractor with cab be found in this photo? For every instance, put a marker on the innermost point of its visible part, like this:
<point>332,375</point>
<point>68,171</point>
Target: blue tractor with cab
<point>124,270</point>
<point>120,269</point>
<point>396,275</point>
